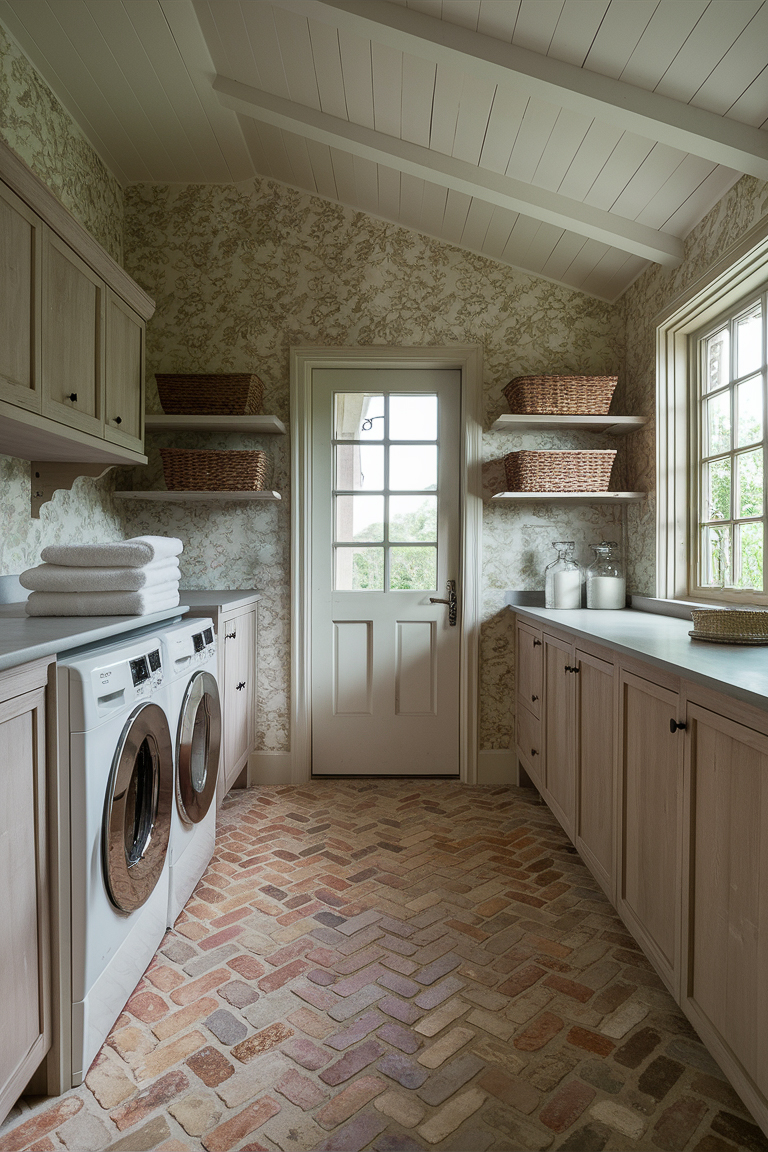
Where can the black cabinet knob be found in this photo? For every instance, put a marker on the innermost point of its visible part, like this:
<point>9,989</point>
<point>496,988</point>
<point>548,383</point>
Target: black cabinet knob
<point>230,635</point>
<point>676,725</point>
<point>534,697</point>
<point>240,686</point>
<point>72,396</point>
<point>118,419</point>
<point>537,643</point>
<point>534,752</point>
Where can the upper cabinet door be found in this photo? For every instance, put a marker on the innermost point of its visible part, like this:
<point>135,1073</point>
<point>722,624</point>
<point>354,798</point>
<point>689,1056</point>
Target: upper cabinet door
<point>73,343</point>
<point>124,374</point>
<point>20,257</point>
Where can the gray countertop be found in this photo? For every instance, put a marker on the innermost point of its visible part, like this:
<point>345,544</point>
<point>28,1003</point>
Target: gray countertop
<point>223,599</point>
<point>24,638</point>
<point>663,641</point>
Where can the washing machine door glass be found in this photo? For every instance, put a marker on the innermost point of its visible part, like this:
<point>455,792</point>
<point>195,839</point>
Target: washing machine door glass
<point>137,811</point>
<point>197,748</point>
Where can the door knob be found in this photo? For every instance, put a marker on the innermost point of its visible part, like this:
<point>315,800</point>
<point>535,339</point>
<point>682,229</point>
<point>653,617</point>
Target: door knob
<point>452,602</point>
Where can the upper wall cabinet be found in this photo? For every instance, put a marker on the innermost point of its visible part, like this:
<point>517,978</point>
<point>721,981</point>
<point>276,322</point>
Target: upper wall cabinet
<point>71,334</point>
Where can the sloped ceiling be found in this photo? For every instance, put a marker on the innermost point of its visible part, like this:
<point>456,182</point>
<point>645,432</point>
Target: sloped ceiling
<point>575,139</point>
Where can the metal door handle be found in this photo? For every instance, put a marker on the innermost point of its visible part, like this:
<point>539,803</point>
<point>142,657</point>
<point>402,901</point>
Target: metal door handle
<point>452,602</point>
<point>240,685</point>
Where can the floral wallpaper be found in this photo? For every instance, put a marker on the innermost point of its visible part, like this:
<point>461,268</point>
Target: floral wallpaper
<point>742,207</point>
<point>241,273</point>
<point>34,124</point>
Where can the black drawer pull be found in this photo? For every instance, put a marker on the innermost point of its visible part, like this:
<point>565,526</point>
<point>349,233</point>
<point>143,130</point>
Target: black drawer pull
<point>534,752</point>
<point>72,396</point>
<point>537,643</point>
<point>118,419</point>
<point>534,697</point>
<point>676,725</point>
<point>230,635</point>
<point>571,668</point>
<point>240,685</point>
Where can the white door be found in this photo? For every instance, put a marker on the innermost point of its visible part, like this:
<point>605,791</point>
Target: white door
<point>385,539</point>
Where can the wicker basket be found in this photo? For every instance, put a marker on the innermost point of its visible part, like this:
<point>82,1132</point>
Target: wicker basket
<point>560,395</point>
<point>730,625</point>
<point>558,471</point>
<point>190,470</point>
<point>217,394</point>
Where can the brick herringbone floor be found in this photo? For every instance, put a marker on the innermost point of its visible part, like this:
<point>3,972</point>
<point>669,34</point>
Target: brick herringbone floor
<point>395,965</point>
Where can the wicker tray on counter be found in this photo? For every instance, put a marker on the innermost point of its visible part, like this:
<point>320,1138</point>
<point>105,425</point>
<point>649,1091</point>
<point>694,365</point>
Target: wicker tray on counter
<point>730,625</point>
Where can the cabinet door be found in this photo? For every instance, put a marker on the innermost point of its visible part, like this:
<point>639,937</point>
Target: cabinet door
<point>650,781</point>
<point>727,915</point>
<point>239,638</point>
<point>73,345</point>
<point>529,662</point>
<point>24,976</point>
<point>529,745</point>
<point>559,775</point>
<point>123,374</point>
<point>20,260</point>
<point>595,766</point>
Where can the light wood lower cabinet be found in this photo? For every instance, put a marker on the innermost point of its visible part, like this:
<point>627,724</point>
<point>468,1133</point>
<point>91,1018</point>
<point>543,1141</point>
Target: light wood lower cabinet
<point>25,1016</point>
<point>650,790</point>
<point>594,824</point>
<point>238,691</point>
<point>557,725</point>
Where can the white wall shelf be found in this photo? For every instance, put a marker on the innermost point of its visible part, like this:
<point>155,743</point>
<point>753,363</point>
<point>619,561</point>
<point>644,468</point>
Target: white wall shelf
<point>571,497</point>
<point>616,425</point>
<point>265,425</point>
<point>183,496</point>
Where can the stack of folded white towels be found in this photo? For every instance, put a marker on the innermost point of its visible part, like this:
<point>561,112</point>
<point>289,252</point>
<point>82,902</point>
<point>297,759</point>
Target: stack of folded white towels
<point>127,578</point>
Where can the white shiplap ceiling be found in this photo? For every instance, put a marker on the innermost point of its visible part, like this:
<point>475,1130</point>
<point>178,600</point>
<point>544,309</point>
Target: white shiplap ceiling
<point>576,139</point>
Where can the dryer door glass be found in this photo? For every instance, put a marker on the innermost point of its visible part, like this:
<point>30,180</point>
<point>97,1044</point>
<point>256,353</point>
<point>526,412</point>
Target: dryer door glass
<point>197,748</point>
<point>137,812</point>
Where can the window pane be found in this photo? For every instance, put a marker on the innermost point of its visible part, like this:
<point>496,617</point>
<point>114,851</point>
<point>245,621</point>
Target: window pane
<point>749,402</point>
<point>750,548</point>
<point>716,555</point>
<point>749,343</point>
<point>413,467</point>
<point>359,517</point>
<point>413,518</point>
<point>716,491</point>
<point>359,467</point>
<point>749,475</point>
<point>413,417</point>
<point>719,423</point>
<point>359,416</point>
<point>360,569</point>
<point>718,371</point>
<point>413,568</point>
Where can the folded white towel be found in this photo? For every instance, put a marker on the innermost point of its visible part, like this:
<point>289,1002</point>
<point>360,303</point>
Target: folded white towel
<point>141,603</point>
<point>134,553</point>
<point>63,578</point>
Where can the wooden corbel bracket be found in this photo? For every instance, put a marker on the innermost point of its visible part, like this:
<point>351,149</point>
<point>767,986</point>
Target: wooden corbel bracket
<point>48,475</point>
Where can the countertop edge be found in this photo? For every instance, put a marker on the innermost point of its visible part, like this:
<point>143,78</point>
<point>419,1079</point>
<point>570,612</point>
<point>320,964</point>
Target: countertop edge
<point>725,687</point>
<point>224,599</point>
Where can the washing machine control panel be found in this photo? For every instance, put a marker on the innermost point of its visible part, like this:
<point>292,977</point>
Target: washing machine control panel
<point>188,648</point>
<point>114,678</point>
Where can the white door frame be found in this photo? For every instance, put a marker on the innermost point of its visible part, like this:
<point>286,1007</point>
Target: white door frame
<point>468,359</point>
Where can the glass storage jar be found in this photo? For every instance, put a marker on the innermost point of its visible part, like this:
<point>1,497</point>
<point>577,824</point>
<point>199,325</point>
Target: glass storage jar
<point>563,578</point>
<point>606,586</point>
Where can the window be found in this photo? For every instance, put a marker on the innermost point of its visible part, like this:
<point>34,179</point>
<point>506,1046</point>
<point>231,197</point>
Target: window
<point>728,537</point>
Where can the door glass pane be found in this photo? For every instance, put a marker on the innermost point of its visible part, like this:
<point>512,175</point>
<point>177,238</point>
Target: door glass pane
<point>359,416</point>
<point>413,568</point>
<point>360,569</point>
<point>140,804</point>
<point>750,411</point>
<point>413,467</point>
<point>716,490</point>
<point>413,518</point>
<point>719,423</point>
<point>716,553</point>
<point>413,417</point>
<point>750,548</point>
<point>198,766</point>
<point>359,467</point>
<point>359,517</point>
<point>718,373</point>
<point>749,474</point>
<point>749,341</point>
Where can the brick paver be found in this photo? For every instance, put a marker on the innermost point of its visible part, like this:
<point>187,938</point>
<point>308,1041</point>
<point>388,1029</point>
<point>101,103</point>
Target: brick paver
<point>395,965</point>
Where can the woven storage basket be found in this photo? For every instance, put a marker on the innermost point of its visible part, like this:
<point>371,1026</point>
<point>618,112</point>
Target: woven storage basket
<point>217,394</point>
<point>558,471</point>
<point>730,624</point>
<point>190,470</point>
<point>560,395</point>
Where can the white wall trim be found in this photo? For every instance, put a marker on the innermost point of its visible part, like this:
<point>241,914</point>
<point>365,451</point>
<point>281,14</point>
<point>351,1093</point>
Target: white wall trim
<point>497,766</point>
<point>467,358</point>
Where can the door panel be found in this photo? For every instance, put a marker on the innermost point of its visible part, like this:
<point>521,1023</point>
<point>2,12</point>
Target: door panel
<point>594,830</point>
<point>385,519</point>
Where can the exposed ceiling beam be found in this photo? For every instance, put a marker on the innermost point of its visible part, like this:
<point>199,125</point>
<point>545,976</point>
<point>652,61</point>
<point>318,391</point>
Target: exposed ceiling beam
<point>694,130</point>
<point>449,172</point>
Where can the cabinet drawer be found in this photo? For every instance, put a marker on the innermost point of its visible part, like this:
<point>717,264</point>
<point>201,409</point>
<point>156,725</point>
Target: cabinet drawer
<point>529,740</point>
<point>529,666</point>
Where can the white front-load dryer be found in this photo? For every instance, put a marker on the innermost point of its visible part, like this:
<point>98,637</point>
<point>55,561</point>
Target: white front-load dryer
<point>121,804</point>
<point>190,660</point>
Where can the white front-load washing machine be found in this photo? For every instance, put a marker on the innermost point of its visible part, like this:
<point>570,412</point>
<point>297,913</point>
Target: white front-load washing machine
<point>190,661</point>
<point>121,802</point>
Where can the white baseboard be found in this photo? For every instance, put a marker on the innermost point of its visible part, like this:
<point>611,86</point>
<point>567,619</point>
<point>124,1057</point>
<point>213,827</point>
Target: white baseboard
<point>269,768</point>
<point>497,766</point>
